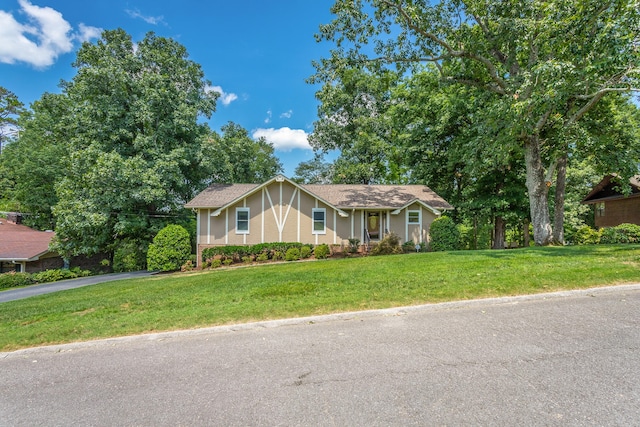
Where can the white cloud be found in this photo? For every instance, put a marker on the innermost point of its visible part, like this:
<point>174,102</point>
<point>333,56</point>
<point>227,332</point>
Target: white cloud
<point>286,114</point>
<point>284,139</point>
<point>153,20</point>
<point>225,98</point>
<point>40,41</point>
<point>86,33</point>
<point>269,116</point>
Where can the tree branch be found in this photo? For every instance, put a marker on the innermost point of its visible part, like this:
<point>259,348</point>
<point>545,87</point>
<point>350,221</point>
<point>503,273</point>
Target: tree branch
<point>491,68</point>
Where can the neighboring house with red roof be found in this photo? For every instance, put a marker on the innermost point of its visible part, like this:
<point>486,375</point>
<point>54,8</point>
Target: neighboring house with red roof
<point>281,210</point>
<point>611,206</point>
<point>24,249</point>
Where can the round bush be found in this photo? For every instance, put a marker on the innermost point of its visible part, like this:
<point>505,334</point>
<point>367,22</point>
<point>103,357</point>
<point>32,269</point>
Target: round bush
<point>444,235</point>
<point>321,251</point>
<point>305,252</point>
<point>293,254</point>
<point>170,249</point>
<point>586,235</point>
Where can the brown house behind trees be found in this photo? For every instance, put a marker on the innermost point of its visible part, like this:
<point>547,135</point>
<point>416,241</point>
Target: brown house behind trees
<point>611,205</point>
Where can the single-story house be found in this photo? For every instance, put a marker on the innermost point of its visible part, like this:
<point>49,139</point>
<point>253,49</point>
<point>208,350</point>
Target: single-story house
<point>24,249</point>
<point>281,210</point>
<point>611,206</point>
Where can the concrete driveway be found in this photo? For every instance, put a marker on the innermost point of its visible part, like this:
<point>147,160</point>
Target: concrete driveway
<point>562,359</point>
<point>47,288</point>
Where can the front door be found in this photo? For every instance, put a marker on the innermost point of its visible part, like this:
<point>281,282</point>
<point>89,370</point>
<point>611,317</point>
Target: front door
<point>373,224</point>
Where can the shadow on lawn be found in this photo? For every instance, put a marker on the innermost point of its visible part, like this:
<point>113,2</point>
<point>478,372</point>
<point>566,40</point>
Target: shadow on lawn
<point>551,251</point>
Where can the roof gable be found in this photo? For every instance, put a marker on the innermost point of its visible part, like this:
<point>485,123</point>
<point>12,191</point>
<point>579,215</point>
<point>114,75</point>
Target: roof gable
<point>21,243</point>
<point>606,190</point>
<point>340,196</point>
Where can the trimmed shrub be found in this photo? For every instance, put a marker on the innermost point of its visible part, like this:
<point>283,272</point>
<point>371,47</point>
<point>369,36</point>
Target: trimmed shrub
<point>305,252</point>
<point>623,233</point>
<point>444,235</point>
<point>586,235</point>
<point>389,245</point>
<point>13,279</point>
<point>321,251</point>
<point>170,249</point>
<point>293,254</point>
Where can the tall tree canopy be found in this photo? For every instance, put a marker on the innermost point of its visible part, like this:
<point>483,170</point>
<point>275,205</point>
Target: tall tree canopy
<point>546,65</point>
<point>10,109</point>
<point>113,158</point>
<point>234,157</point>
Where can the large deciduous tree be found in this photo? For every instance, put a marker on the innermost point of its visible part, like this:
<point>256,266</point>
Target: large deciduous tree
<point>134,141</point>
<point>547,64</point>
<point>352,119</point>
<point>234,157</point>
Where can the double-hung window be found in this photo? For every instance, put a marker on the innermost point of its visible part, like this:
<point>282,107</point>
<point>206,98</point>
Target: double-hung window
<point>319,220</point>
<point>413,217</point>
<point>242,220</point>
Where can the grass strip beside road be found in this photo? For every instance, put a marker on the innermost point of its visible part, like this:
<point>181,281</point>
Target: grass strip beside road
<point>225,296</point>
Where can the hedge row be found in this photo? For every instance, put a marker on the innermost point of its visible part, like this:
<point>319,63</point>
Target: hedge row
<point>239,252</point>
<point>13,279</point>
<point>290,251</point>
<point>623,233</point>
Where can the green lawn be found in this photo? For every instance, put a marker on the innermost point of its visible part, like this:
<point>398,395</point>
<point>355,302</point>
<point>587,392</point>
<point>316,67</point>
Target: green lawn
<point>183,301</point>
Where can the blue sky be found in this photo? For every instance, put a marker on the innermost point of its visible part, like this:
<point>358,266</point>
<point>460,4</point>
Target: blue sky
<point>257,53</point>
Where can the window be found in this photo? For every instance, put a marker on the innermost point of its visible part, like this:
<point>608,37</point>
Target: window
<point>242,221</point>
<point>319,221</point>
<point>600,209</point>
<point>413,217</point>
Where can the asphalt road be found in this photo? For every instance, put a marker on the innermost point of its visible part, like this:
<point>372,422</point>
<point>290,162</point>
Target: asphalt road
<point>47,288</point>
<point>565,359</point>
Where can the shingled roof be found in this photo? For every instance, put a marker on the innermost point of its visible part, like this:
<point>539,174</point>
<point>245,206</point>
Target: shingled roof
<point>607,190</point>
<point>21,243</point>
<point>342,196</point>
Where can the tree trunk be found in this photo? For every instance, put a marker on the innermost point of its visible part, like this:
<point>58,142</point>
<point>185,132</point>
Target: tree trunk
<point>558,218</point>
<point>499,232</point>
<point>538,192</point>
<point>525,233</point>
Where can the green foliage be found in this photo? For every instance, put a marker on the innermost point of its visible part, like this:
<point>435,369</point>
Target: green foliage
<point>292,254</point>
<point>13,279</point>
<point>321,251</point>
<point>390,244</point>
<point>235,157</point>
<point>586,235</point>
<point>354,245</point>
<point>623,233</point>
<point>305,252</point>
<point>514,91</point>
<point>53,275</point>
<point>264,251</point>
<point>444,235</point>
<point>130,255</point>
<point>117,168</point>
<point>170,249</point>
